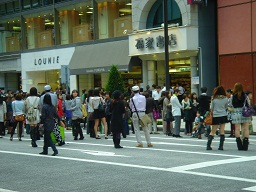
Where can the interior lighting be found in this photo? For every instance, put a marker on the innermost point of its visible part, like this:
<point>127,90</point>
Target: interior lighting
<point>130,4</point>
<point>90,12</point>
<point>90,8</point>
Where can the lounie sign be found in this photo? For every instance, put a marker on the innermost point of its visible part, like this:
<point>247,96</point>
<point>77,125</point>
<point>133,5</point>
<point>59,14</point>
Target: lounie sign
<point>47,60</point>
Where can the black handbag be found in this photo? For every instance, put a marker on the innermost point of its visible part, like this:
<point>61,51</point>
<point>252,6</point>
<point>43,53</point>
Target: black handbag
<point>102,107</point>
<point>168,116</point>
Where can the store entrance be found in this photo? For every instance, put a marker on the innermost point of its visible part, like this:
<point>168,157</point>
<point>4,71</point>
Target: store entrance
<point>179,71</point>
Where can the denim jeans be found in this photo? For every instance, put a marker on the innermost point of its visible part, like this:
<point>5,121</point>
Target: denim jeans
<point>48,142</point>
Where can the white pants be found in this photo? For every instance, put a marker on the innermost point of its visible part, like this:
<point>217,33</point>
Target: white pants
<point>136,125</point>
<point>152,128</point>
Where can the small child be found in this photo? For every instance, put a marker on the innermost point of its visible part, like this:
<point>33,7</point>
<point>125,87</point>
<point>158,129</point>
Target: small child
<point>197,121</point>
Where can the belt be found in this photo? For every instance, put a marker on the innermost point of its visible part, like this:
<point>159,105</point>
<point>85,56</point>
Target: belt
<point>139,111</point>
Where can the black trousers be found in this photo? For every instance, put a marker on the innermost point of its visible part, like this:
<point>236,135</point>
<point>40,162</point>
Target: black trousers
<point>20,128</point>
<point>2,129</point>
<point>116,138</point>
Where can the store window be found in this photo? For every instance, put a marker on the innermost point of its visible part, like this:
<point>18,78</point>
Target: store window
<point>39,30</point>
<point>114,18</point>
<point>10,35</point>
<point>155,16</point>
<point>26,4</point>
<point>2,9</point>
<point>76,23</point>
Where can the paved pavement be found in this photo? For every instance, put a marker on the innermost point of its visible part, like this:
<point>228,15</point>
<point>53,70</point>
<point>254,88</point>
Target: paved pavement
<point>173,164</point>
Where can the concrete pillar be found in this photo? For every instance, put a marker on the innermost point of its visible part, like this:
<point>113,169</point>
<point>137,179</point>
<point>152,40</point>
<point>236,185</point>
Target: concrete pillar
<point>144,74</point>
<point>194,73</point>
<point>151,72</point>
<point>160,73</point>
<point>73,82</point>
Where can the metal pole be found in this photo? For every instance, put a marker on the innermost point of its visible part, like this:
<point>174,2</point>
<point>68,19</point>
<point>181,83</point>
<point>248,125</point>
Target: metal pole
<point>166,46</point>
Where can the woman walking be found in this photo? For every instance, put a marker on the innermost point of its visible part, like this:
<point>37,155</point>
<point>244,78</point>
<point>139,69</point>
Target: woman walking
<point>118,111</point>
<point>33,118</point>
<point>49,114</point>
<point>77,115</point>
<point>18,108</point>
<point>218,108</point>
<point>68,112</point>
<point>239,100</point>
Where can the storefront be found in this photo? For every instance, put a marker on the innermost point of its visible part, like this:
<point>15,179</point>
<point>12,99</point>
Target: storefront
<point>148,45</point>
<point>90,64</point>
<point>44,67</point>
<point>10,72</point>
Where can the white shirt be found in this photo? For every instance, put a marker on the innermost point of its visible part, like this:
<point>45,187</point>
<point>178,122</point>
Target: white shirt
<point>176,106</point>
<point>156,95</point>
<point>139,101</point>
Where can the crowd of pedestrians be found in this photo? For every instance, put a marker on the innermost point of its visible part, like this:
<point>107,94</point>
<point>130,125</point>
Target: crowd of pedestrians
<point>111,113</point>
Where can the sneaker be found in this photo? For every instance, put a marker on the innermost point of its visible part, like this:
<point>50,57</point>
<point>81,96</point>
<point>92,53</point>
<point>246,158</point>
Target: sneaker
<point>150,145</point>
<point>1,136</point>
<point>139,145</point>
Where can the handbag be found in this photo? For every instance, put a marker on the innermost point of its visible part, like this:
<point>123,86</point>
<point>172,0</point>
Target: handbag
<point>208,119</point>
<point>19,118</point>
<point>156,114</point>
<point>168,116</point>
<point>101,107</point>
<point>143,121</point>
<point>247,110</point>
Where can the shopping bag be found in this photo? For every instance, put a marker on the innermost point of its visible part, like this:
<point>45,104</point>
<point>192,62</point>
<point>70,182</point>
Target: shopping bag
<point>62,133</point>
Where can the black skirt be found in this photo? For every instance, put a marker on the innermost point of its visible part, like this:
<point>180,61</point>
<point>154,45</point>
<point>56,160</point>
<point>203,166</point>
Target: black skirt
<point>98,114</point>
<point>219,120</point>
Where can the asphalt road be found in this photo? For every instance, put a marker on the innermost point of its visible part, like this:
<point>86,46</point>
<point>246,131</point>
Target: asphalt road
<point>173,164</point>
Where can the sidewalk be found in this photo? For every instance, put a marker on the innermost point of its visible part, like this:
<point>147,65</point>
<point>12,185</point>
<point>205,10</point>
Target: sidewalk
<point>227,127</point>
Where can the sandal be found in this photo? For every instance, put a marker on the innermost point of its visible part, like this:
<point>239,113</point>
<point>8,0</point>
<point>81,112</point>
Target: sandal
<point>97,137</point>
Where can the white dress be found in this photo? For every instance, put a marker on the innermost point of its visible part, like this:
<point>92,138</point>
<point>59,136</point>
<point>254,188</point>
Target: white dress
<point>33,100</point>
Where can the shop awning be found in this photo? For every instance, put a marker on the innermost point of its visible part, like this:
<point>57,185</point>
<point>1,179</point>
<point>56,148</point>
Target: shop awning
<point>98,58</point>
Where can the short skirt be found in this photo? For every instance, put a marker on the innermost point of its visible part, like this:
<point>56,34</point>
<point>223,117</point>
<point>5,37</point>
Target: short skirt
<point>219,120</point>
<point>238,118</point>
<point>98,114</point>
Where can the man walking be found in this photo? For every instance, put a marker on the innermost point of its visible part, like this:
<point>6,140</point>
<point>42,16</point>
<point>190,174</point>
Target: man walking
<point>138,107</point>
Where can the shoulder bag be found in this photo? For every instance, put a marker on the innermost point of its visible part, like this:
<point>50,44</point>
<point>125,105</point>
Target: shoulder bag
<point>208,119</point>
<point>247,110</point>
<point>145,120</point>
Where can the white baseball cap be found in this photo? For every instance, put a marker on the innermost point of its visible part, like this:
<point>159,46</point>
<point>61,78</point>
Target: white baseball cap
<point>47,87</point>
<point>135,88</point>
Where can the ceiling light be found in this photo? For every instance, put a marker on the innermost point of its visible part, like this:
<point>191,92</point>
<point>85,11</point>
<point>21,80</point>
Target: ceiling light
<point>80,14</point>
<point>89,12</point>
<point>129,4</point>
<point>90,8</point>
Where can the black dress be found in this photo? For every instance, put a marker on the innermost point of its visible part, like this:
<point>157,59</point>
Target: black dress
<point>117,124</point>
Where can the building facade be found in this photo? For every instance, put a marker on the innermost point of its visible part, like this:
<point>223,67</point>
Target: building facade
<point>237,43</point>
<point>74,43</point>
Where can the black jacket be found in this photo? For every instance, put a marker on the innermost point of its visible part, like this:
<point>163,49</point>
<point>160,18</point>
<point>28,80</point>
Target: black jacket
<point>204,103</point>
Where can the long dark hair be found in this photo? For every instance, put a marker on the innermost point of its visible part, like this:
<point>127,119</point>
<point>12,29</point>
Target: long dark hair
<point>89,94</point>
<point>1,99</point>
<point>47,99</point>
<point>219,91</point>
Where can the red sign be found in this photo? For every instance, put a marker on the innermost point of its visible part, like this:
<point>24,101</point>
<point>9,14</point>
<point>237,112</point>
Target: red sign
<point>192,2</point>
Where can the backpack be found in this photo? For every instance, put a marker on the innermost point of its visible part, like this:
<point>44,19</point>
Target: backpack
<point>31,113</point>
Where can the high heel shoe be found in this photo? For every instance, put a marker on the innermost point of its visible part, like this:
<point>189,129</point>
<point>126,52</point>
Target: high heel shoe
<point>10,138</point>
